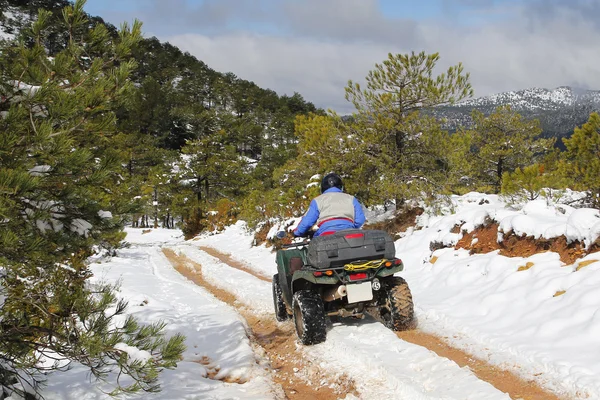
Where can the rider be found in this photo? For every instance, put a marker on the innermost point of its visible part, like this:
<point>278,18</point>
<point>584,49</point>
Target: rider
<point>332,211</point>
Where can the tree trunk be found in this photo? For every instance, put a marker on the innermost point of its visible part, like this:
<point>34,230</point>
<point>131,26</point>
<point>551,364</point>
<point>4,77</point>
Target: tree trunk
<point>399,139</point>
<point>499,172</point>
<point>130,166</point>
<point>155,208</point>
<point>399,202</point>
<point>199,190</point>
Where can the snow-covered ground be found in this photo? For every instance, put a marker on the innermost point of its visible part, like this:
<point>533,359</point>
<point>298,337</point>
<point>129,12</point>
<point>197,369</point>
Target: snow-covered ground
<point>542,321</point>
<point>482,303</point>
<point>511,317</point>
<point>216,334</point>
<point>382,365</point>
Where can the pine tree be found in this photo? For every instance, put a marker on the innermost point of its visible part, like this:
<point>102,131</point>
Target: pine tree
<point>213,170</point>
<point>503,142</point>
<point>527,183</point>
<point>321,148</point>
<point>57,171</point>
<point>322,145</point>
<point>580,163</point>
<point>391,132</point>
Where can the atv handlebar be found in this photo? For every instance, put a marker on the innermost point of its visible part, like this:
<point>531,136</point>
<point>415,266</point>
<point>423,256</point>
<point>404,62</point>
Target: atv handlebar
<point>307,237</point>
<point>288,246</point>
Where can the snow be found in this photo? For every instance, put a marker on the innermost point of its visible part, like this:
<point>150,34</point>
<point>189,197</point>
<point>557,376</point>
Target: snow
<point>483,303</point>
<point>249,162</point>
<point>246,288</point>
<point>104,214</point>
<point>505,315</point>
<point>40,170</point>
<point>536,98</point>
<point>8,14</point>
<point>380,372</point>
<point>81,226</point>
<point>5,35</point>
<point>533,315</point>
<point>542,221</point>
<point>155,291</point>
<point>537,218</point>
<point>24,88</point>
<point>238,241</point>
<point>133,353</point>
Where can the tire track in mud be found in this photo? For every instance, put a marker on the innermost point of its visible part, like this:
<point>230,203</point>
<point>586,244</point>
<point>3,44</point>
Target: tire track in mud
<point>503,380</point>
<point>299,378</point>
<point>227,259</point>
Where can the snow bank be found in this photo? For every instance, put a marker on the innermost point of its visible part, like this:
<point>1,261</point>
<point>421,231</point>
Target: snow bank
<point>538,219</point>
<point>216,335</point>
<point>533,312</point>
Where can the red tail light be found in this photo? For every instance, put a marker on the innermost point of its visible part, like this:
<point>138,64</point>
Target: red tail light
<point>317,273</point>
<point>358,276</point>
<point>355,235</point>
<point>397,261</point>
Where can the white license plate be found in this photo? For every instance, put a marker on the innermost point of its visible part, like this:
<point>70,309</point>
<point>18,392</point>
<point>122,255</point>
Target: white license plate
<point>359,292</point>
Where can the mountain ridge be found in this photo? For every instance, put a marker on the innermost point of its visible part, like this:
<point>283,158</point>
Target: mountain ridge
<point>538,98</point>
<point>559,110</point>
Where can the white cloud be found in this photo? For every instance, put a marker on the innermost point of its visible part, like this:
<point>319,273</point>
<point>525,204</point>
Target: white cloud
<point>507,55</point>
<point>318,70</point>
<point>314,46</point>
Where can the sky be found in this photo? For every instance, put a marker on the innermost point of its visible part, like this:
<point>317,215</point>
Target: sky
<point>315,46</point>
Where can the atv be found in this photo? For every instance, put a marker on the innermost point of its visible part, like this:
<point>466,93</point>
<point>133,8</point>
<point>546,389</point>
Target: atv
<point>344,274</point>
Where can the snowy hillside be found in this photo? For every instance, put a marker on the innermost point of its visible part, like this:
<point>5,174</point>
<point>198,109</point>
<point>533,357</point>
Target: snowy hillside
<point>535,316</point>
<point>536,99</point>
<point>11,20</point>
<point>559,110</point>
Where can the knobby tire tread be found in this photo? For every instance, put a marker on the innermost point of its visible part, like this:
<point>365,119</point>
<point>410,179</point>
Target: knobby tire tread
<point>401,305</point>
<point>308,306</point>
<point>281,313</point>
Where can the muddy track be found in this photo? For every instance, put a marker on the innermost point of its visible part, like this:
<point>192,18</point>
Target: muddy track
<point>299,378</point>
<point>505,381</point>
<point>227,259</point>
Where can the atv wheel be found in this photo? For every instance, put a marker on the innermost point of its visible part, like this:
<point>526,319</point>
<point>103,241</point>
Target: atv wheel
<point>396,309</point>
<point>309,317</point>
<point>281,313</point>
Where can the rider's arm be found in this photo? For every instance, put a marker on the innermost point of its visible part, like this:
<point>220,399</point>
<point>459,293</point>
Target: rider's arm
<point>307,222</point>
<point>359,216</point>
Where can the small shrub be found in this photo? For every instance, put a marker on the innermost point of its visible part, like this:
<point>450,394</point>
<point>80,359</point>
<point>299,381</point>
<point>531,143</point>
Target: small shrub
<point>226,213</point>
<point>194,224</point>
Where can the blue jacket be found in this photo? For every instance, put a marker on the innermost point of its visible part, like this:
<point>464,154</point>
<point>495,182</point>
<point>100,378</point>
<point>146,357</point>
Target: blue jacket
<point>312,215</point>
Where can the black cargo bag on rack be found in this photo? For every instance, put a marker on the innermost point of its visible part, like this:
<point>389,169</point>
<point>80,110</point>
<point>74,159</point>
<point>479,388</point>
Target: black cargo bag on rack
<point>342,247</point>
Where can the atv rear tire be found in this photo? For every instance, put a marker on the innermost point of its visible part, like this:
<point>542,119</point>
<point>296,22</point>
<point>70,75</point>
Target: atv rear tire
<point>396,309</point>
<point>281,313</point>
<point>309,317</point>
